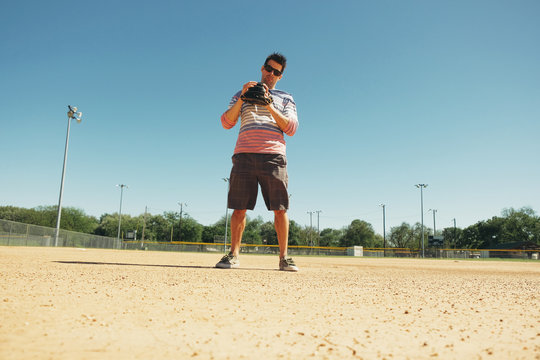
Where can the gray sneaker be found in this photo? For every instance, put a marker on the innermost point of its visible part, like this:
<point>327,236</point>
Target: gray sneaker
<point>287,264</point>
<point>228,261</point>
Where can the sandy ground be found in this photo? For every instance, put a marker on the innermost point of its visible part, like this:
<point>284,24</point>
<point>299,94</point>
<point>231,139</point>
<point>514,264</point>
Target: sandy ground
<point>64,303</point>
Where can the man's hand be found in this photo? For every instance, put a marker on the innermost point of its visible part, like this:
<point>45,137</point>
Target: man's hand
<point>257,94</point>
<point>248,85</point>
<point>233,113</point>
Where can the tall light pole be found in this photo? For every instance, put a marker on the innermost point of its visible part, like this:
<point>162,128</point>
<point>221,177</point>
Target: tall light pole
<point>421,187</point>
<point>384,227</point>
<point>434,211</point>
<point>121,186</point>
<point>318,228</point>
<point>227,180</point>
<point>455,238</point>
<point>180,224</point>
<point>310,226</point>
<point>72,114</point>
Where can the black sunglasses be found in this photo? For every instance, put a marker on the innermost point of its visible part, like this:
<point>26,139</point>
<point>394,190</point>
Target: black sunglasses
<point>268,68</point>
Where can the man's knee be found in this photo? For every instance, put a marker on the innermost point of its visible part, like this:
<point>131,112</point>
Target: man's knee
<point>239,214</point>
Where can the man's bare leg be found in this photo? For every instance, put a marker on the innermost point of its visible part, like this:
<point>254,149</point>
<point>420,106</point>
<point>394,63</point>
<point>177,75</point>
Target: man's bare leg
<point>238,224</point>
<point>281,223</point>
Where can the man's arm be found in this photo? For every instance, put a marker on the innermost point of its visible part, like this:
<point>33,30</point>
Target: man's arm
<point>286,124</point>
<point>230,117</point>
<point>281,120</point>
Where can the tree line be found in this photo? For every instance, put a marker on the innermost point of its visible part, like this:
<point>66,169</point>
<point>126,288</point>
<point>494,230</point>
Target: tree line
<point>512,226</point>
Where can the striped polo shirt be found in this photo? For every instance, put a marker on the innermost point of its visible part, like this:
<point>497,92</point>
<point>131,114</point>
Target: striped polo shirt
<point>259,132</point>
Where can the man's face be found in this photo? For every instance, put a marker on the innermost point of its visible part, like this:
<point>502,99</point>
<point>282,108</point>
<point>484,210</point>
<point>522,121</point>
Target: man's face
<point>268,73</point>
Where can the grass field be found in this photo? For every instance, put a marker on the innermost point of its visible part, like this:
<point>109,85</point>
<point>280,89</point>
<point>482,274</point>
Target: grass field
<point>66,303</point>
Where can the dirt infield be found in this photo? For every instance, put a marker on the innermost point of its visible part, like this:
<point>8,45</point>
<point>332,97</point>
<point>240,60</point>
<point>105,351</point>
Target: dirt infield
<point>65,303</point>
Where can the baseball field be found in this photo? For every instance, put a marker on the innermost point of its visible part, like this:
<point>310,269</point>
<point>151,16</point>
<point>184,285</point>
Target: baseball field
<point>67,303</point>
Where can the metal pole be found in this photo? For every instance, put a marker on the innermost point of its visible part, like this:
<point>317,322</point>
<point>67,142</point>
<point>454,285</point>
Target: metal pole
<point>455,233</point>
<point>384,228</point>
<point>144,227</point>
<point>62,186</point>
<point>180,224</point>
<point>227,180</point>
<point>422,186</point>
<point>318,228</point>
<point>310,227</point>
<point>434,228</point>
<point>422,211</point>
<point>122,186</point>
<point>72,114</point>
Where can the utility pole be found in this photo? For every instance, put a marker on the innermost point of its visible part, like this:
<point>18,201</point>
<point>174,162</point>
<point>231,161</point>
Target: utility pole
<point>318,212</point>
<point>421,187</point>
<point>121,186</point>
<point>144,227</point>
<point>310,227</point>
<point>384,227</point>
<point>318,229</point>
<point>180,225</point>
<point>455,237</point>
<point>434,228</point>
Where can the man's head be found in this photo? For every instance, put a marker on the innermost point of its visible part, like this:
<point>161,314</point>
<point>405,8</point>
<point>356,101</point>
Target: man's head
<point>272,70</point>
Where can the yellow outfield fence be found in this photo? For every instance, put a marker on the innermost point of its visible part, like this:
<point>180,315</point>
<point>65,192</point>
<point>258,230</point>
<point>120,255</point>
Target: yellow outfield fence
<point>244,248</point>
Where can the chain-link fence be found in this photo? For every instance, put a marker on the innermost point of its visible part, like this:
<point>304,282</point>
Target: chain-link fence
<point>454,253</point>
<point>244,248</point>
<point>18,234</point>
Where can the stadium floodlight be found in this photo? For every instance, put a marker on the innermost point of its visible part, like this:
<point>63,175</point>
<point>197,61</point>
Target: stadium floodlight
<point>72,114</point>
<point>121,186</point>
<point>422,187</point>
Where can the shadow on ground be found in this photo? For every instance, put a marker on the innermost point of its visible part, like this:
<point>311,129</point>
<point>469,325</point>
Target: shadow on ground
<point>156,265</point>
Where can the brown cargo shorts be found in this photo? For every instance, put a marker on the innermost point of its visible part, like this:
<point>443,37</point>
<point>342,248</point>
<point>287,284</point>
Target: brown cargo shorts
<point>251,170</point>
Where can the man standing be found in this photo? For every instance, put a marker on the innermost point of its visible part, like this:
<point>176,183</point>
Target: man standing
<point>260,159</point>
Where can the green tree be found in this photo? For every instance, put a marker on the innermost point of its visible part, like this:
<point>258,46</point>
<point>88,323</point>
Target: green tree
<point>402,236</point>
<point>252,234</point>
<point>417,231</point>
<point>217,230</point>
<point>520,225</point>
<point>360,233</point>
<point>76,220</point>
<point>159,228</point>
<point>209,232</point>
<point>45,216</point>
<point>451,236</point>
<point>268,233</point>
<point>470,238</point>
<point>190,231</point>
<point>108,226</point>
<point>294,233</point>
<point>331,237</point>
<point>513,226</point>
<point>72,219</point>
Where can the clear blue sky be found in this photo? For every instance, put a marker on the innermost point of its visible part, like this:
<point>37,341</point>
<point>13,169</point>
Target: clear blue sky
<point>389,94</point>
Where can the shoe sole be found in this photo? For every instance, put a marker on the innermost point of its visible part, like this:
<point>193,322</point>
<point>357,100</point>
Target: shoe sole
<point>292,269</point>
<point>227,266</point>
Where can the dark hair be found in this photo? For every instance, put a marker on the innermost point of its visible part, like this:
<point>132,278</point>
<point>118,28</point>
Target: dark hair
<point>279,58</point>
